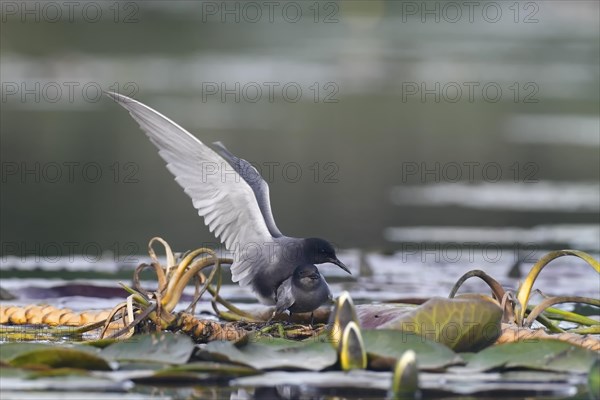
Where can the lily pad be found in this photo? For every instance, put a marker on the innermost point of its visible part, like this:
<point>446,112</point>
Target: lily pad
<point>385,346</point>
<point>60,357</point>
<point>266,354</point>
<point>196,372</point>
<point>467,323</point>
<point>9,372</point>
<point>373,316</point>
<point>212,368</point>
<point>167,348</point>
<point>8,351</point>
<point>58,372</point>
<point>541,354</point>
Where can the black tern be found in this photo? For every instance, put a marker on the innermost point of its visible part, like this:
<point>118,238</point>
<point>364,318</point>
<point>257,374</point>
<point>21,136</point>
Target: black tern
<point>302,292</point>
<point>233,198</point>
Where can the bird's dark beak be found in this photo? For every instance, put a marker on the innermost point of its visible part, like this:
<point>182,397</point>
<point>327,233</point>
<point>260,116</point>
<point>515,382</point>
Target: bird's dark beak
<point>339,264</point>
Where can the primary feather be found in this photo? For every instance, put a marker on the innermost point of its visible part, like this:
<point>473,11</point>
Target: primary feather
<point>226,201</point>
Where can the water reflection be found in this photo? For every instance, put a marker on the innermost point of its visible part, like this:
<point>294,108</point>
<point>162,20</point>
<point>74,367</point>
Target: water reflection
<point>406,90</point>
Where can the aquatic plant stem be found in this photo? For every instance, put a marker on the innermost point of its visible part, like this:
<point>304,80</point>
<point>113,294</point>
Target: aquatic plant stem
<point>550,301</point>
<point>568,316</point>
<point>249,317</point>
<point>496,287</point>
<point>524,290</point>
<point>179,271</point>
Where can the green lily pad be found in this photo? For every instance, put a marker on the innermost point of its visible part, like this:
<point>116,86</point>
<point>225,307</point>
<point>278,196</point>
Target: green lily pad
<point>196,372</point>
<point>8,351</point>
<point>541,354</point>
<point>212,368</point>
<point>9,372</point>
<point>467,323</point>
<point>125,365</point>
<point>266,354</point>
<point>60,357</point>
<point>58,372</point>
<point>167,348</point>
<point>385,346</point>
<point>100,343</point>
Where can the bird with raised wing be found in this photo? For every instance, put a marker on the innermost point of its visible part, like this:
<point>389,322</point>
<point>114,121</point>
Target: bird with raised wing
<point>233,198</point>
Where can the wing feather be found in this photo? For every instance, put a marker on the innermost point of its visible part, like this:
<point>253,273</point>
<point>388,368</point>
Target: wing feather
<point>256,182</point>
<point>285,296</point>
<point>225,200</point>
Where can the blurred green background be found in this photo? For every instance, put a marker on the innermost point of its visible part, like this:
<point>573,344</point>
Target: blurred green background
<point>400,122</point>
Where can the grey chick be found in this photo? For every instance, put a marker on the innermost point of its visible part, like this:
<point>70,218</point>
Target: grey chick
<point>304,291</point>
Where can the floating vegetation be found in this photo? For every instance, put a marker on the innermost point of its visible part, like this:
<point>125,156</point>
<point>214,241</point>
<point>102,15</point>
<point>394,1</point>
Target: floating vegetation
<point>404,350</point>
<point>519,315</point>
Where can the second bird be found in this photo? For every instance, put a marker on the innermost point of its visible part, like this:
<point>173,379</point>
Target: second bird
<point>234,200</point>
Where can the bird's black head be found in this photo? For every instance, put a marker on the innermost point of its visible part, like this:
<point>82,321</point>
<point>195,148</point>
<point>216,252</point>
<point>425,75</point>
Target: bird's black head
<point>320,251</point>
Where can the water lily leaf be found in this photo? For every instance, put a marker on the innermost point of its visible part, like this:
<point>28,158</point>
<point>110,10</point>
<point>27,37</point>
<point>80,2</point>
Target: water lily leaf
<point>101,343</point>
<point>167,348</point>
<point>278,342</point>
<point>212,368</point>
<point>385,346</point>
<point>60,357</point>
<point>8,351</point>
<point>8,372</point>
<point>372,316</point>
<point>542,354</point>
<point>466,323</point>
<point>177,377</point>
<point>310,354</point>
<point>196,372</point>
<point>58,372</point>
<point>141,366</point>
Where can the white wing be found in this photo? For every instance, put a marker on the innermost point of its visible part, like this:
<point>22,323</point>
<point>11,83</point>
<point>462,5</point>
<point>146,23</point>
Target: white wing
<point>218,192</point>
<point>255,181</point>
